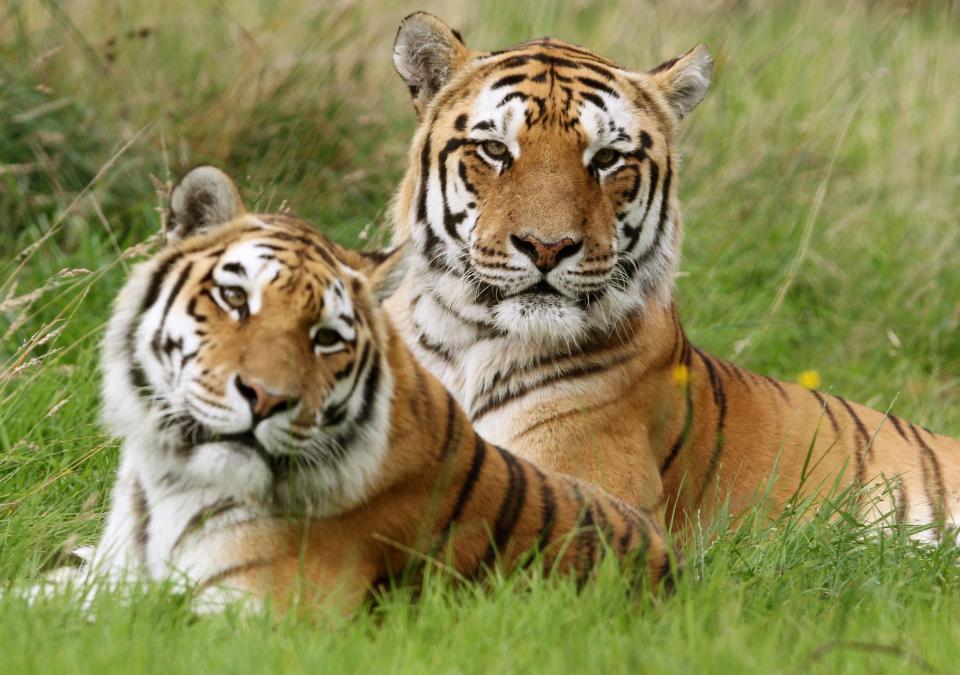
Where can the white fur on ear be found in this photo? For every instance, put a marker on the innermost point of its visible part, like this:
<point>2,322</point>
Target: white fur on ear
<point>204,198</point>
<point>685,79</point>
<point>426,53</point>
<point>389,269</point>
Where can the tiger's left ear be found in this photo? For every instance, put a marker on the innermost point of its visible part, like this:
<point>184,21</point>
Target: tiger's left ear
<point>685,79</point>
<point>203,199</point>
<point>426,53</point>
<point>388,270</point>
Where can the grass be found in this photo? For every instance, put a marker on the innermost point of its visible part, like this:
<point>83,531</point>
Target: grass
<point>819,187</point>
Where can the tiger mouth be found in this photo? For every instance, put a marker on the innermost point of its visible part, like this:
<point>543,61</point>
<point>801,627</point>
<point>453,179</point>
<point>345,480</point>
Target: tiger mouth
<point>543,287</point>
<point>278,464</point>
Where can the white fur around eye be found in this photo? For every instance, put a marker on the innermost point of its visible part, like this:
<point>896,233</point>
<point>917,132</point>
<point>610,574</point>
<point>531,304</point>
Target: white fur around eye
<point>342,337</point>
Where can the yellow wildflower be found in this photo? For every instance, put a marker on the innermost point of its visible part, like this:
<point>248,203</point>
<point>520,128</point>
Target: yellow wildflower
<point>681,374</point>
<point>809,379</point>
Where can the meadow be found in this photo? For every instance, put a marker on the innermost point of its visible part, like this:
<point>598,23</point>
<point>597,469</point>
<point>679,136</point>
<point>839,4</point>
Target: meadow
<point>821,201</point>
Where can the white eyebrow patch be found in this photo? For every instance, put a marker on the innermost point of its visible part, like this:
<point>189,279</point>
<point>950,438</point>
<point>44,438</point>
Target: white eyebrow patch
<point>597,122</point>
<point>507,119</point>
<point>250,266</point>
<point>338,312</point>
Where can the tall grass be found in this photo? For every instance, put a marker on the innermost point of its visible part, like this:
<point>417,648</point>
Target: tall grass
<point>820,195</point>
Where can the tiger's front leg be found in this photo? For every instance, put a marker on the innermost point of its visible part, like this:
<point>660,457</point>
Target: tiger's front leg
<point>291,564</point>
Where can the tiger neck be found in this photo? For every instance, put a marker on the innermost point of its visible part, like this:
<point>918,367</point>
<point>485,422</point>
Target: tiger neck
<point>486,369</point>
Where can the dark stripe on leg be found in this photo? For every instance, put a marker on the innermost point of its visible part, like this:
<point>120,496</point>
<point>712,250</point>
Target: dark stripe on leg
<point>473,473</point>
<point>510,508</point>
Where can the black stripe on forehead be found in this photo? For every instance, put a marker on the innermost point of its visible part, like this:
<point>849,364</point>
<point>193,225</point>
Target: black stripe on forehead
<point>540,52</point>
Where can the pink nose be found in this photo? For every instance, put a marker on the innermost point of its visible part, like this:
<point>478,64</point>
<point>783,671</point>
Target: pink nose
<point>545,254</point>
<point>262,403</point>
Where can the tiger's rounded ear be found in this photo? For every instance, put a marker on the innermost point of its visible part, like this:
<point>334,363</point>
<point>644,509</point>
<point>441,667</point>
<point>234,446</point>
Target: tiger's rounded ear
<point>387,269</point>
<point>203,199</point>
<point>426,53</point>
<point>685,79</point>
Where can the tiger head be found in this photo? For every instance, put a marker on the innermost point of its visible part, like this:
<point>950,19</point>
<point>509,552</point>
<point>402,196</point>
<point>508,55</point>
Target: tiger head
<point>253,337</point>
<point>541,186</point>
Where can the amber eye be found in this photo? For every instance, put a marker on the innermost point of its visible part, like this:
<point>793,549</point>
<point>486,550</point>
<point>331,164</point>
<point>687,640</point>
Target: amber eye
<point>234,296</point>
<point>326,337</point>
<point>495,149</point>
<point>604,158</point>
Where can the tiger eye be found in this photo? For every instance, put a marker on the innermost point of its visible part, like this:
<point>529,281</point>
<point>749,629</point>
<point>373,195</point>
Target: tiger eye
<point>605,158</point>
<point>234,296</point>
<point>326,337</point>
<point>495,149</point>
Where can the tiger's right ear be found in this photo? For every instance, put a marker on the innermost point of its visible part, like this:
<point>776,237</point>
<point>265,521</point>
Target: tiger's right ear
<point>426,53</point>
<point>203,199</point>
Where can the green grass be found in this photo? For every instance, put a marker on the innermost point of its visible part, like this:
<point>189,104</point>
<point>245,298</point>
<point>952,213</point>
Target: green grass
<point>820,188</point>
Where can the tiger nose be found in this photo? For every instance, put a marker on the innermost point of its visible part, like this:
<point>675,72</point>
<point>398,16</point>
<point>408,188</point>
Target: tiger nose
<point>262,403</point>
<point>545,254</point>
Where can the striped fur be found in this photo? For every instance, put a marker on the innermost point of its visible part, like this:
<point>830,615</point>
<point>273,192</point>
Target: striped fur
<point>580,364</point>
<point>281,440</point>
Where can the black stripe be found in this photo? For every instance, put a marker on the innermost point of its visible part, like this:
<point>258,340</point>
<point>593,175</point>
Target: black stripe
<point>594,99</point>
<point>549,509</point>
<point>370,392</point>
<point>898,427</point>
<point>826,408</point>
<point>597,84</point>
<point>473,474</point>
<point>720,400</point>
<point>424,179</point>
<point>687,419</point>
<point>508,81</point>
<point>584,371</point>
<point>902,504</point>
<point>587,536</point>
<point>510,508</point>
<point>156,281</point>
<point>141,510</point>
<point>863,433</point>
<point>450,220</point>
<point>449,448</point>
<point>198,519</point>
<point>177,287</point>
<point>940,504</point>
<point>779,387</point>
<point>225,574</point>
<point>235,268</point>
<point>628,261</point>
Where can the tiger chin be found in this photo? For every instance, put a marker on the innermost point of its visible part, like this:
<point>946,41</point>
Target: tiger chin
<point>541,202</point>
<point>280,441</point>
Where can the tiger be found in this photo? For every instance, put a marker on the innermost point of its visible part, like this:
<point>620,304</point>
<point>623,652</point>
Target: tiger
<point>281,442</point>
<point>540,199</point>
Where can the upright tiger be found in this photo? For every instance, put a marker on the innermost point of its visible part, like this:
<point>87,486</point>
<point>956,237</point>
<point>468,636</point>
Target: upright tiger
<point>278,434</point>
<point>541,199</point>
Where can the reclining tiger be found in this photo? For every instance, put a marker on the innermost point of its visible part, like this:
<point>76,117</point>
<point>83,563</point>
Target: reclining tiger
<point>279,439</point>
<point>541,199</point>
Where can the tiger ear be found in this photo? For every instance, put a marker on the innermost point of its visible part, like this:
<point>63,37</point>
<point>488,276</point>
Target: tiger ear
<point>203,199</point>
<point>426,53</point>
<point>685,79</point>
<point>387,270</point>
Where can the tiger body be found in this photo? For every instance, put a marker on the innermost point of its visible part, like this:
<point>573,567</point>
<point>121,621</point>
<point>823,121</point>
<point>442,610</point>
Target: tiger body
<point>280,441</point>
<point>541,200</point>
